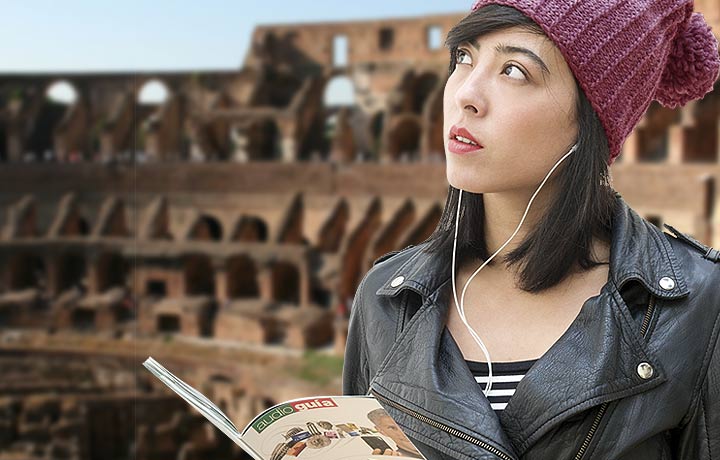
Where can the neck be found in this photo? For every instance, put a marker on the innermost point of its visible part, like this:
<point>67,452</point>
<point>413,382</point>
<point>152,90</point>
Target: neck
<point>503,212</point>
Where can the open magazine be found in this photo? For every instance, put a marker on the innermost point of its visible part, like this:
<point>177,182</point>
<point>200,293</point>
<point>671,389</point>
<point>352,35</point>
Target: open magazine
<point>319,427</point>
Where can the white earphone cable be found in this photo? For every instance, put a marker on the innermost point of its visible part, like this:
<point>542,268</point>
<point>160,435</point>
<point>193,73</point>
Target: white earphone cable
<point>460,306</point>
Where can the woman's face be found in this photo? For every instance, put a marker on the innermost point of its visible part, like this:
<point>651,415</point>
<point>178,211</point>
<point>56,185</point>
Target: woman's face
<point>524,117</point>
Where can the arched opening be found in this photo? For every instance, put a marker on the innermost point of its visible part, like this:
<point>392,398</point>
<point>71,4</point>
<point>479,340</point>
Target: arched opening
<point>333,231</point>
<point>434,37</point>
<point>26,271</point>
<point>377,124</point>
<point>242,278</point>
<point>653,135</point>
<point>116,224</point>
<point>60,96</point>
<point>199,275</point>
<point>83,319</point>
<point>405,140</point>
<point>155,288</point>
<point>701,144</point>
<point>71,271</point>
<point>340,50</point>
<point>263,141</point>
<point>160,225</point>
<point>75,225</point>
<point>339,91</point>
<point>153,92</point>
<point>168,324</point>
<point>62,92</point>
<point>112,270</point>
<point>424,85</point>
<point>251,228</point>
<point>285,282</point>
<point>207,228</point>
<point>321,296</point>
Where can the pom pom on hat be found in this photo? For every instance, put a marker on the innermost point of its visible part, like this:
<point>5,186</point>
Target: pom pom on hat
<point>692,66</point>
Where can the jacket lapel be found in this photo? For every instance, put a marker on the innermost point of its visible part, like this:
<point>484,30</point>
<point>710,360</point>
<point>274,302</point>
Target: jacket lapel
<point>426,372</point>
<point>594,361</point>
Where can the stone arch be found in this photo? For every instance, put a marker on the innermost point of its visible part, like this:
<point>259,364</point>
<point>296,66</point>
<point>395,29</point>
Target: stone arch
<point>207,228</point>
<point>241,277</point>
<point>198,275</point>
<point>112,271</point>
<point>250,228</point>
<point>404,139</point>
<point>285,282</point>
<point>264,140</point>
<point>25,270</point>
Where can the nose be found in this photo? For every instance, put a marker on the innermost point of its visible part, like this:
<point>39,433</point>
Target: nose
<point>471,94</point>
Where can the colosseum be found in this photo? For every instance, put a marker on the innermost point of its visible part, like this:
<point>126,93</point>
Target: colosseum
<point>221,222</point>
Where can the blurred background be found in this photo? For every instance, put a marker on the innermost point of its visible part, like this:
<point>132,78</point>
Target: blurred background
<point>208,183</point>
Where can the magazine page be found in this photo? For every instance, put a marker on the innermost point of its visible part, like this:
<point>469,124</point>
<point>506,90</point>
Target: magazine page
<point>328,428</point>
<point>199,402</point>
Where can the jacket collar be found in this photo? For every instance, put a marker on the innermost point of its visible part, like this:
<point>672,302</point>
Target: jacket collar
<point>594,361</point>
<point>638,251</point>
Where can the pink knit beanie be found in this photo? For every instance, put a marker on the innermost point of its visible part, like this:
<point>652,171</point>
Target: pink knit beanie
<point>627,53</point>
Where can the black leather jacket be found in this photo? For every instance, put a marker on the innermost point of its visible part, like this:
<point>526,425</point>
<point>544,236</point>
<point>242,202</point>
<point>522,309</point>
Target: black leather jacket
<point>636,375</point>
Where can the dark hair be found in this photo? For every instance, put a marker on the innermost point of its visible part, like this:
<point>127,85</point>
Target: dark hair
<point>564,234</point>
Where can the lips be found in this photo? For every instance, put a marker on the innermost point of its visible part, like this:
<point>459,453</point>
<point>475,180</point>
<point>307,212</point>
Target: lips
<point>456,130</point>
<point>460,147</point>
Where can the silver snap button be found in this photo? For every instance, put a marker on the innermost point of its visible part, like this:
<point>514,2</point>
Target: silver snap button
<point>645,370</point>
<point>397,281</point>
<point>667,283</point>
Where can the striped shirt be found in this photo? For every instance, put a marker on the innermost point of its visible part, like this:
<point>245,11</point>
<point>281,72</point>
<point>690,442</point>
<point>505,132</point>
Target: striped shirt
<point>506,377</point>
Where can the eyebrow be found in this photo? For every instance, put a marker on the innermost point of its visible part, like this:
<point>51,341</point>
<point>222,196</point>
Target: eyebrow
<point>502,48</point>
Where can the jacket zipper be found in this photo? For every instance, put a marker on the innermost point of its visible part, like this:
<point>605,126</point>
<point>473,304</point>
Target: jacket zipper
<point>603,406</point>
<point>443,427</point>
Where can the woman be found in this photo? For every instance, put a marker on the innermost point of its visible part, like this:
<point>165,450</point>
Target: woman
<point>607,325</point>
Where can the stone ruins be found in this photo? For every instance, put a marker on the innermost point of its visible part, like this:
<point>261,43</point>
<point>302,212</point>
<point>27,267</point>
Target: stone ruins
<point>223,220</point>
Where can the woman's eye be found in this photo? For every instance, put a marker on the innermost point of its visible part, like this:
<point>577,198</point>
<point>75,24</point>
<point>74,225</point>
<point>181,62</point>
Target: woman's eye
<point>522,75</point>
<point>459,54</point>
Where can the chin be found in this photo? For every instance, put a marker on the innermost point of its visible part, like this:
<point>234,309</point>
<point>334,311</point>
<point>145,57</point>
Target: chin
<point>469,184</point>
